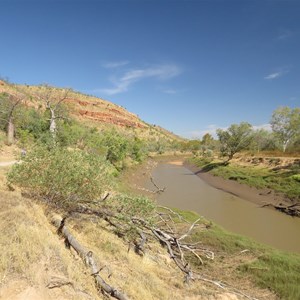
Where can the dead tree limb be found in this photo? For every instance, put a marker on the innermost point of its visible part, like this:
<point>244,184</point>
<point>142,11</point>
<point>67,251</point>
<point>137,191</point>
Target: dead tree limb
<point>87,256</point>
<point>224,286</point>
<point>176,248</point>
<point>159,190</point>
<point>292,210</point>
<point>189,230</point>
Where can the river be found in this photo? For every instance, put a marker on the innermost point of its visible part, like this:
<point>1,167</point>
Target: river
<point>187,191</point>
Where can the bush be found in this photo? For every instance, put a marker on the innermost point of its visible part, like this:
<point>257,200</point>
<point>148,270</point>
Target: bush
<point>62,177</point>
<point>132,206</point>
<point>296,177</point>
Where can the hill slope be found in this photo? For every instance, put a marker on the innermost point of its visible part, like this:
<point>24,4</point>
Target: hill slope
<point>93,111</point>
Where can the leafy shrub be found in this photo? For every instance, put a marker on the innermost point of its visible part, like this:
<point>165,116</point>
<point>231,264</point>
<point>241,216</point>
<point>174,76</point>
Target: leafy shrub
<point>296,177</point>
<point>128,207</point>
<point>61,176</point>
<point>117,147</point>
<point>138,150</point>
<point>132,206</point>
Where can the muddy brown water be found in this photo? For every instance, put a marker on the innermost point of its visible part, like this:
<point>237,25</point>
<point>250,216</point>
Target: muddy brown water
<point>187,191</point>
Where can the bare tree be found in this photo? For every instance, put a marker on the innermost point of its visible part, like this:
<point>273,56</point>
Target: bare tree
<point>8,107</point>
<point>53,99</point>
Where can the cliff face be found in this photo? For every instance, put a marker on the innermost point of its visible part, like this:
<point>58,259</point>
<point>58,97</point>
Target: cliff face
<point>101,111</point>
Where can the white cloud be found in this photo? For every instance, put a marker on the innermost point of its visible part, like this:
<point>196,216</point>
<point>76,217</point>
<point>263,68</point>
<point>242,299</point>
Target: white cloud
<point>115,64</point>
<point>211,129</point>
<point>161,72</point>
<point>273,76</point>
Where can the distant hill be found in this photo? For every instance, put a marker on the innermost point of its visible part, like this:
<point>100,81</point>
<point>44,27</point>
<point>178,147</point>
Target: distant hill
<point>95,112</point>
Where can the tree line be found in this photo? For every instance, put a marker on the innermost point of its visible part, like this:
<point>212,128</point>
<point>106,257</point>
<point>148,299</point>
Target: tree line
<point>283,136</point>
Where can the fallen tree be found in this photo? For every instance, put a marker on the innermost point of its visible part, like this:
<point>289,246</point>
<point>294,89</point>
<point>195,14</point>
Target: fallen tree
<point>165,230</point>
<point>87,257</point>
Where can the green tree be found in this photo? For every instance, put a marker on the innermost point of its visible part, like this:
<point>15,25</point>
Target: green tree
<point>235,139</point>
<point>207,140</point>
<point>117,147</point>
<point>285,124</point>
<point>138,149</point>
<point>263,140</point>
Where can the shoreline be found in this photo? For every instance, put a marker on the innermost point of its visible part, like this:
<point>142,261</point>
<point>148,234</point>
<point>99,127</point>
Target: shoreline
<point>252,194</point>
<point>260,197</point>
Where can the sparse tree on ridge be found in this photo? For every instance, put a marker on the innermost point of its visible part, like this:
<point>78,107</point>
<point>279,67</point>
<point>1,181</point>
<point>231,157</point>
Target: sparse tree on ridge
<point>235,139</point>
<point>53,100</point>
<point>285,123</point>
<point>8,108</point>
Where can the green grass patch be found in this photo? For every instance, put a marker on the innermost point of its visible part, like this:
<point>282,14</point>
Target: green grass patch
<point>277,271</point>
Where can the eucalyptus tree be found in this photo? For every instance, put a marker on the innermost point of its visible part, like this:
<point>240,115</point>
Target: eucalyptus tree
<point>235,139</point>
<point>285,123</point>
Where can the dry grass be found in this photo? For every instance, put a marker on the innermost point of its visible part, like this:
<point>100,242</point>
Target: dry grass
<point>8,153</point>
<point>32,255</point>
<point>32,252</point>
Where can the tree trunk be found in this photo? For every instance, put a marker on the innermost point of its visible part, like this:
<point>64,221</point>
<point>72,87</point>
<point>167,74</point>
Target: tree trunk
<point>87,256</point>
<point>53,124</point>
<point>284,146</point>
<point>10,131</point>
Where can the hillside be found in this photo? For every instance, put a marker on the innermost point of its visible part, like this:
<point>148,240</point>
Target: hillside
<point>93,111</point>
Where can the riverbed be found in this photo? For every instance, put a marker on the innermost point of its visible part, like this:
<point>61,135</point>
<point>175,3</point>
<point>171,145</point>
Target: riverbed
<point>185,190</point>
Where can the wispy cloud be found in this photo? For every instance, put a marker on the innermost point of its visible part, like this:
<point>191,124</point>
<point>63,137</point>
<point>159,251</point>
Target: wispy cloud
<point>273,76</point>
<point>277,74</point>
<point>160,72</point>
<point>170,91</point>
<point>115,64</point>
<point>284,34</point>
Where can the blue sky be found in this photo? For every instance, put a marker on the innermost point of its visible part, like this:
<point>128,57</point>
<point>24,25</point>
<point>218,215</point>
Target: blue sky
<point>189,66</point>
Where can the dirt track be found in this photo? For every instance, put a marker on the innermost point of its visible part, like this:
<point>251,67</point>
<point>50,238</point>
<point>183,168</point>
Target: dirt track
<point>7,163</point>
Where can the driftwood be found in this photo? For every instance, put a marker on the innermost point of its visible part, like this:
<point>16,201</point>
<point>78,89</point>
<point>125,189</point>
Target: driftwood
<point>87,256</point>
<point>159,190</point>
<point>292,210</point>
